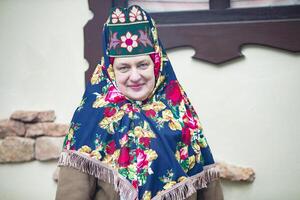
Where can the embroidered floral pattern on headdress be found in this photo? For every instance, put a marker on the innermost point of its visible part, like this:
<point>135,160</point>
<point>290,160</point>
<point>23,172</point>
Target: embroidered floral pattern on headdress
<point>135,14</point>
<point>118,16</point>
<point>129,41</point>
<point>127,29</point>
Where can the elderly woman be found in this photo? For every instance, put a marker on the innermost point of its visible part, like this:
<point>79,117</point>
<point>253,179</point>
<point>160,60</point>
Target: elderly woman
<point>135,134</point>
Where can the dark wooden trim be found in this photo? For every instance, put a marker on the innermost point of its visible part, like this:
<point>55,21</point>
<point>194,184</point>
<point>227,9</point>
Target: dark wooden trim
<point>93,34</point>
<point>227,15</point>
<point>119,3</point>
<point>220,42</point>
<point>219,4</point>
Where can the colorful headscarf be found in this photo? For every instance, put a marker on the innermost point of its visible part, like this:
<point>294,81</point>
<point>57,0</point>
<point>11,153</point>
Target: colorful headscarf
<point>151,149</point>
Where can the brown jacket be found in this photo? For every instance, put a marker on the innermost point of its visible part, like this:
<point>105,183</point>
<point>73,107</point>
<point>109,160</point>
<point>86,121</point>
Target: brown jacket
<point>75,185</point>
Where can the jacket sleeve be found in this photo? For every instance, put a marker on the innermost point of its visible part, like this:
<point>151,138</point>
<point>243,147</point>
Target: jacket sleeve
<point>75,185</point>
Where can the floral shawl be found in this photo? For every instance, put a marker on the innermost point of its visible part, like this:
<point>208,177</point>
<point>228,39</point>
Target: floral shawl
<point>154,149</point>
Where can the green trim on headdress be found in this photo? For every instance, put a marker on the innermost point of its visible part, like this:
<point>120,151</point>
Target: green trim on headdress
<point>129,33</point>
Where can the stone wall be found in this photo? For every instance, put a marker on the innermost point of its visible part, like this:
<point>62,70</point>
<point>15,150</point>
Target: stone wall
<point>31,135</point>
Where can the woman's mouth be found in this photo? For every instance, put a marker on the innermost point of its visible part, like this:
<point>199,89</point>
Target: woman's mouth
<point>136,87</point>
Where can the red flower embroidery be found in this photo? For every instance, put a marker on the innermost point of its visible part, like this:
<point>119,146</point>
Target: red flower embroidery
<point>145,141</point>
<point>173,92</point>
<point>113,95</point>
<point>186,135</point>
<point>156,60</point>
<point>189,120</point>
<point>131,108</point>
<point>111,147</point>
<point>141,158</point>
<point>183,154</point>
<point>150,113</point>
<point>124,158</point>
<point>134,183</point>
<point>109,111</point>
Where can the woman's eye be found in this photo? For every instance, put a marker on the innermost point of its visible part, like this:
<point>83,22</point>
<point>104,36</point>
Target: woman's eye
<point>143,66</point>
<point>123,69</point>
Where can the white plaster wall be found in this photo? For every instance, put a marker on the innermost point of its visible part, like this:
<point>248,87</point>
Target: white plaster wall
<point>41,55</point>
<point>250,111</point>
<point>250,108</point>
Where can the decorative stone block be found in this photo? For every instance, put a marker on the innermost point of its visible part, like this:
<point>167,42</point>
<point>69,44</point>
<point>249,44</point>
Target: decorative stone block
<point>48,148</point>
<point>11,128</point>
<point>46,128</point>
<point>235,173</point>
<point>16,149</point>
<point>34,116</point>
<point>34,130</point>
<point>55,129</point>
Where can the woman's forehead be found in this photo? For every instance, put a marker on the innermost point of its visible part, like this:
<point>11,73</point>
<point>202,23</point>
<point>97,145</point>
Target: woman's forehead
<point>131,59</point>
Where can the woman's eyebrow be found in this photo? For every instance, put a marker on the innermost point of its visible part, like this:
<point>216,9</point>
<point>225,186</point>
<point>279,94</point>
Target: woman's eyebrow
<point>122,64</point>
<point>142,61</point>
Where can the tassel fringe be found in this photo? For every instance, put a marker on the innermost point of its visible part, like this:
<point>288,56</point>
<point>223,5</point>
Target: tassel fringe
<point>180,191</point>
<point>99,170</point>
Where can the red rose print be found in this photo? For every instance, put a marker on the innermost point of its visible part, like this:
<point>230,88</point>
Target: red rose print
<point>113,95</point>
<point>189,120</point>
<point>134,183</point>
<point>145,141</point>
<point>111,147</point>
<point>156,60</point>
<point>150,113</point>
<point>173,93</point>
<point>131,108</point>
<point>186,135</point>
<point>124,157</point>
<point>141,159</point>
<point>183,154</point>
<point>109,111</point>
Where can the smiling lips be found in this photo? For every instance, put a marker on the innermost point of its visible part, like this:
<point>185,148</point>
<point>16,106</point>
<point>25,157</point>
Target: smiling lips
<point>136,87</point>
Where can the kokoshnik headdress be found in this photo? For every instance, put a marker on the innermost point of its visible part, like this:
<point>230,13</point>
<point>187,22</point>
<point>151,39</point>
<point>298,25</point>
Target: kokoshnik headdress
<point>154,149</point>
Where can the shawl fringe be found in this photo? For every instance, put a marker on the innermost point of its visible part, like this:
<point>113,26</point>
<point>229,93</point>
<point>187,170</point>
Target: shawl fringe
<point>99,170</point>
<point>180,191</point>
<point>186,188</point>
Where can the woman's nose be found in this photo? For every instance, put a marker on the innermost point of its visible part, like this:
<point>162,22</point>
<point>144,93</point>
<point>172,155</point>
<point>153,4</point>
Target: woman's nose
<point>135,76</point>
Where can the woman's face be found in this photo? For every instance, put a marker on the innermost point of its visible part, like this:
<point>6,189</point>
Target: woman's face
<point>135,76</point>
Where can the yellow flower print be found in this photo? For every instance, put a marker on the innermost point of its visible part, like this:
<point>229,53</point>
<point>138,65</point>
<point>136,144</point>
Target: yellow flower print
<point>203,142</point>
<point>118,116</point>
<point>160,80</point>
<point>100,101</point>
<point>111,72</point>
<point>169,185</point>
<point>181,178</point>
<point>70,134</point>
<point>151,155</point>
<point>192,161</point>
<point>85,149</point>
<point>141,132</point>
<point>96,77</point>
<point>111,159</point>
<point>147,195</point>
<point>167,115</point>
<point>156,106</point>
<point>96,154</point>
<point>173,124</point>
<point>107,122</point>
<point>144,131</point>
<point>196,147</point>
<point>177,155</point>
